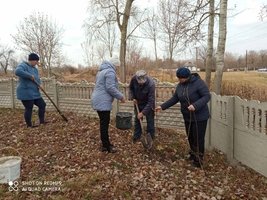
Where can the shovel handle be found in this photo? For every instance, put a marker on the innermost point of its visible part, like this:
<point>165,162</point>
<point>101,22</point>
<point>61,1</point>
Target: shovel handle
<point>141,124</point>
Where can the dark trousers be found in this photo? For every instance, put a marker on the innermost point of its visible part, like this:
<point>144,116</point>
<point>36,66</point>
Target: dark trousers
<point>150,119</point>
<point>28,105</point>
<point>104,117</point>
<point>196,136</point>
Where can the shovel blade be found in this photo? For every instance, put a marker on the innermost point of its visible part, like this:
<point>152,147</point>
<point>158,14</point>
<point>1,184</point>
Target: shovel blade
<point>147,141</point>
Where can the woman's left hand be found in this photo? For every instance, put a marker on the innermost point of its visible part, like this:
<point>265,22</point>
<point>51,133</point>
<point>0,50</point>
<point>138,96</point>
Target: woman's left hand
<point>140,115</point>
<point>191,108</point>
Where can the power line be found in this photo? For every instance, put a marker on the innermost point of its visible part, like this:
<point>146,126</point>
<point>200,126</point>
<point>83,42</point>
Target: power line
<point>250,30</point>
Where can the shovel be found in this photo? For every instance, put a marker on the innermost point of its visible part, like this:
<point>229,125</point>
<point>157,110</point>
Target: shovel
<point>146,139</point>
<point>40,87</point>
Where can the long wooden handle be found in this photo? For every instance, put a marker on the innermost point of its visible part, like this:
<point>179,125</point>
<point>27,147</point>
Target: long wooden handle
<point>42,89</point>
<point>139,119</point>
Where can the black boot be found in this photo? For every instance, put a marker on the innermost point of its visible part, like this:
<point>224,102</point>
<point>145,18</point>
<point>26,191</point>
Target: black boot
<point>110,149</point>
<point>191,156</point>
<point>198,161</point>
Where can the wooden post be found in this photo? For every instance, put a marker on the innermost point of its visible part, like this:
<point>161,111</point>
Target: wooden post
<point>55,92</point>
<point>12,93</point>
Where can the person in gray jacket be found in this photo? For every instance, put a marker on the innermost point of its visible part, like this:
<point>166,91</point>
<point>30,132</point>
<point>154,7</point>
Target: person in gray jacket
<point>105,90</point>
<point>193,95</point>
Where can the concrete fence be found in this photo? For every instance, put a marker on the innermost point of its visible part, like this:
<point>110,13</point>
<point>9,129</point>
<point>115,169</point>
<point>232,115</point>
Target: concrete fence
<point>237,127</point>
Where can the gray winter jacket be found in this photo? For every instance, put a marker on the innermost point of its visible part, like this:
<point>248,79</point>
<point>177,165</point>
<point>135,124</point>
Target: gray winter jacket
<point>106,88</point>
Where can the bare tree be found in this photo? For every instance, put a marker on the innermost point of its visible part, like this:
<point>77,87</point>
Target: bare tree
<point>263,12</point>
<point>150,30</point>
<point>6,55</point>
<point>104,30</point>
<point>221,46</point>
<point>263,58</point>
<point>134,51</point>
<point>179,24</point>
<point>118,12</point>
<point>251,59</point>
<point>89,54</point>
<point>37,33</point>
<point>230,61</point>
<point>210,42</point>
<point>13,64</point>
<point>202,53</point>
<point>101,51</point>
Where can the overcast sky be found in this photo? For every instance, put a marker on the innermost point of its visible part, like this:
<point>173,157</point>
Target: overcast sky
<point>245,30</point>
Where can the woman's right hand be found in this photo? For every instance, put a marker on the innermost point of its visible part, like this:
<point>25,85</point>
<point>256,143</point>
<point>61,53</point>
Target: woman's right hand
<point>158,109</point>
<point>122,100</point>
<point>134,101</point>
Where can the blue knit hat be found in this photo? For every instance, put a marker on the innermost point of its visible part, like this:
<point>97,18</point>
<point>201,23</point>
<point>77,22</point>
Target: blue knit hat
<point>33,56</point>
<point>183,72</point>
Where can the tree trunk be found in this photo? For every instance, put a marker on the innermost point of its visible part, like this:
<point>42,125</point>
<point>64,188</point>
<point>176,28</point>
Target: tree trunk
<point>171,53</point>
<point>123,29</point>
<point>220,47</point>
<point>155,49</point>
<point>122,57</point>
<point>210,43</point>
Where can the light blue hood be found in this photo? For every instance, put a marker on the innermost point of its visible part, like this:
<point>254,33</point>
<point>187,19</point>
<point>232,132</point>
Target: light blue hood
<point>106,87</point>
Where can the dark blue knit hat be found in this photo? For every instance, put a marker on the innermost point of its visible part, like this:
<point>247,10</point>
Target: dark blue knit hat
<point>183,72</point>
<point>33,56</point>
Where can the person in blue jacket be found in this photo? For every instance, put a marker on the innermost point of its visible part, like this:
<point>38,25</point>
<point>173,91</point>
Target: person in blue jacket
<point>105,90</point>
<point>142,92</point>
<point>27,91</point>
<point>193,95</point>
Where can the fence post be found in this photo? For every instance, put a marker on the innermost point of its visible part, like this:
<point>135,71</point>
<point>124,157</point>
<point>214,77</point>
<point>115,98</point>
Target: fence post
<point>55,91</point>
<point>12,93</point>
<point>231,128</point>
<point>208,130</point>
<point>115,104</point>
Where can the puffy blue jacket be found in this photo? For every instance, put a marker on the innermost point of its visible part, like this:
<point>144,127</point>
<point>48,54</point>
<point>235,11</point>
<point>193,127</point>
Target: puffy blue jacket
<point>144,94</point>
<point>106,88</point>
<point>195,92</point>
<point>27,89</point>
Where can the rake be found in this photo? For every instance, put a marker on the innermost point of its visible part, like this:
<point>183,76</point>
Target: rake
<point>61,114</point>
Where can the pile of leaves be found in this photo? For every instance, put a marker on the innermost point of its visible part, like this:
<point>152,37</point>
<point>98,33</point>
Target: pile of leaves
<point>69,153</point>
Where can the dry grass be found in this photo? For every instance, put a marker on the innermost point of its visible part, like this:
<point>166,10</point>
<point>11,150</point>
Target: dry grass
<point>247,85</point>
<point>250,85</point>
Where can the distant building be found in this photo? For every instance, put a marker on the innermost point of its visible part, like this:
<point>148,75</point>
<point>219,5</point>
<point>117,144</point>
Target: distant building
<point>262,70</point>
<point>191,66</point>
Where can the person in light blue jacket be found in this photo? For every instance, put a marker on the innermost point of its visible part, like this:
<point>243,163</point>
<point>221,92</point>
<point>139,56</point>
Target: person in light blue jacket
<point>105,90</point>
<point>27,91</point>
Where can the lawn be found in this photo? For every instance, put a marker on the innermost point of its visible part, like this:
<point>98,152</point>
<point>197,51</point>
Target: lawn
<point>66,157</point>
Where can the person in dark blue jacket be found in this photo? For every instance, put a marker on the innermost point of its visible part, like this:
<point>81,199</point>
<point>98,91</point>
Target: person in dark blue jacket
<point>27,91</point>
<point>193,95</point>
<point>142,92</point>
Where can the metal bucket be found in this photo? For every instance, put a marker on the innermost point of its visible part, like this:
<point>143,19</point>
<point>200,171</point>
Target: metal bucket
<point>124,120</point>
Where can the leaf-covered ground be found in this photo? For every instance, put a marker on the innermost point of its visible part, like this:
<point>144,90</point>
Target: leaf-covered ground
<point>67,155</point>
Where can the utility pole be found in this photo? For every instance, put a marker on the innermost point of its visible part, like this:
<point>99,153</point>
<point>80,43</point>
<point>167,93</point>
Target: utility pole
<point>246,69</point>
<point>196,57</point>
